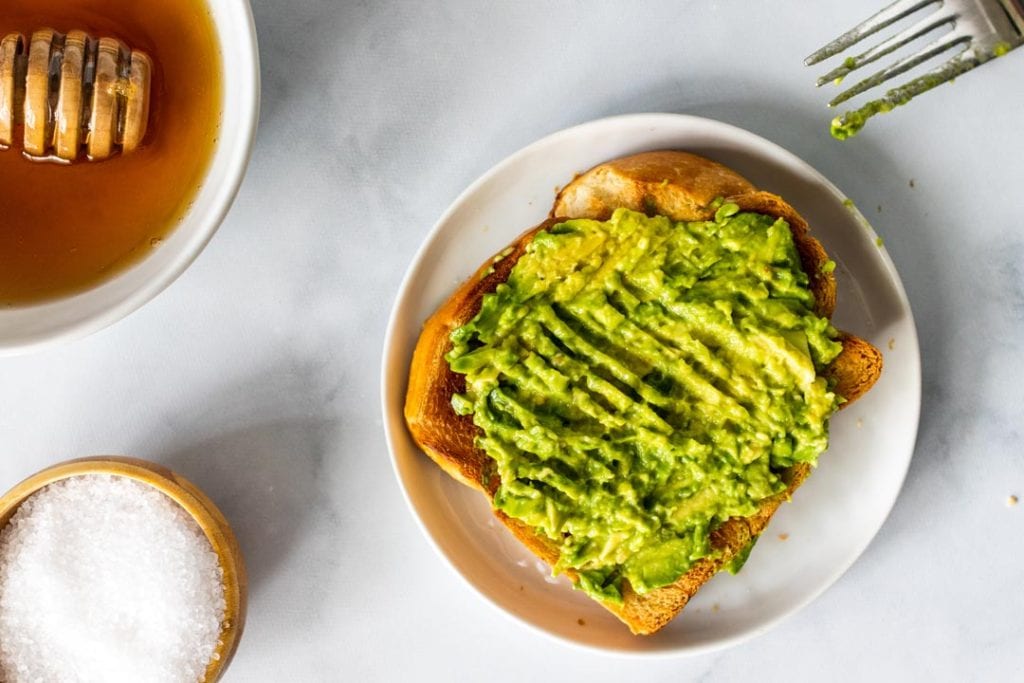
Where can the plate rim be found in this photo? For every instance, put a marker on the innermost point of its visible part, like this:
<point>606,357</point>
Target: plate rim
<point>388,397</point>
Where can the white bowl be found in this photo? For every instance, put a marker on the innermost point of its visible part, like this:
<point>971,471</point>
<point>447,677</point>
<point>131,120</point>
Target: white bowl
<point>28,328</point>
<point>809,543</point>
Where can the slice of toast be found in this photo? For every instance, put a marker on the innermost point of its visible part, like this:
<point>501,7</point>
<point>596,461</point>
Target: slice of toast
<point>678,185</point>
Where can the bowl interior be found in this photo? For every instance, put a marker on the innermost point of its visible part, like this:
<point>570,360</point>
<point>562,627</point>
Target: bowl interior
<point>28,327</point>
<point>193,501</point>
<point>810,543</point>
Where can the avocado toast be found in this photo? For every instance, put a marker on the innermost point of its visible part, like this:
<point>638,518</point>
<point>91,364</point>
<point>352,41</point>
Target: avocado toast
<point>641,380</point>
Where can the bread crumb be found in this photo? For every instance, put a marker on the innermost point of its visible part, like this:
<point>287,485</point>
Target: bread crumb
<point>911,183</point>
<point>783,537</point>
<point>1011,501</point>
<point>892,343</point>
<point>715,607</point>
<point>581,622</point>
<point>860,422</point>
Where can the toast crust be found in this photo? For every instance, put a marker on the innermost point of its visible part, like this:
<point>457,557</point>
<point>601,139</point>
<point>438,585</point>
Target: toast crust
<point>675,184</point>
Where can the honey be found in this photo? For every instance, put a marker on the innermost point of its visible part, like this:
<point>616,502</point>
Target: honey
<point>67,227</point>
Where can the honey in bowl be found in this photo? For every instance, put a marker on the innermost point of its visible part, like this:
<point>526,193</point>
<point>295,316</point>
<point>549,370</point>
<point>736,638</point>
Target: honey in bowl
<point>65,227</point>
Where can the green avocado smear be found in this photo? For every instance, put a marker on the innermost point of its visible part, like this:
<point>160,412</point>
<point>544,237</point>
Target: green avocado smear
<point>639,381</point>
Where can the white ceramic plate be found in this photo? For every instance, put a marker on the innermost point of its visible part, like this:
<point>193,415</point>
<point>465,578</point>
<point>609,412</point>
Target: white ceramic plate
<point>834,515</point>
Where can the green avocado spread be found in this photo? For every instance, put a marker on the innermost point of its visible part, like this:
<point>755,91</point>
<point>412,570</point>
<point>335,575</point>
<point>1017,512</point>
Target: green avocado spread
<point>639,381</point>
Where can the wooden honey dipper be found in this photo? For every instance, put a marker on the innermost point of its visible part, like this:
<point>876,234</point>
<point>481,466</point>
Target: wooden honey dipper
<point>73,91</point>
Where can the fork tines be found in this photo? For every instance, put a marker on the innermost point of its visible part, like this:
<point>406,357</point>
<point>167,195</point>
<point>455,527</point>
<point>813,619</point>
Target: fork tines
<point>981,29</point>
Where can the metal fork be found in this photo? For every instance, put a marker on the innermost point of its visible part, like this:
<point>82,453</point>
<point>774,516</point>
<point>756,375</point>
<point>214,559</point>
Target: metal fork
<point>979,29</point>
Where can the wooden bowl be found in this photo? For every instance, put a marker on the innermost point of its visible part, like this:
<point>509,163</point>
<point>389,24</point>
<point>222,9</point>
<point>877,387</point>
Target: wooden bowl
<point>194,502</point>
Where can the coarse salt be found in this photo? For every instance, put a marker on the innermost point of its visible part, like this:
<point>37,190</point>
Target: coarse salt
<point>106,579</point>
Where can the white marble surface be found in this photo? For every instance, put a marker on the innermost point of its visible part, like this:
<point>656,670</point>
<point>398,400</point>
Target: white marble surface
<point>256,374</point>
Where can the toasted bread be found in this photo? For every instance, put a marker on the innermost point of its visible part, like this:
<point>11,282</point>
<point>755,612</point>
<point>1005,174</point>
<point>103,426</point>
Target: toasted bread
<point>678,185</point>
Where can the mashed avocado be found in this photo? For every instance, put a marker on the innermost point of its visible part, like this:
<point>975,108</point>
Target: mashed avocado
<point>639,381</point>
